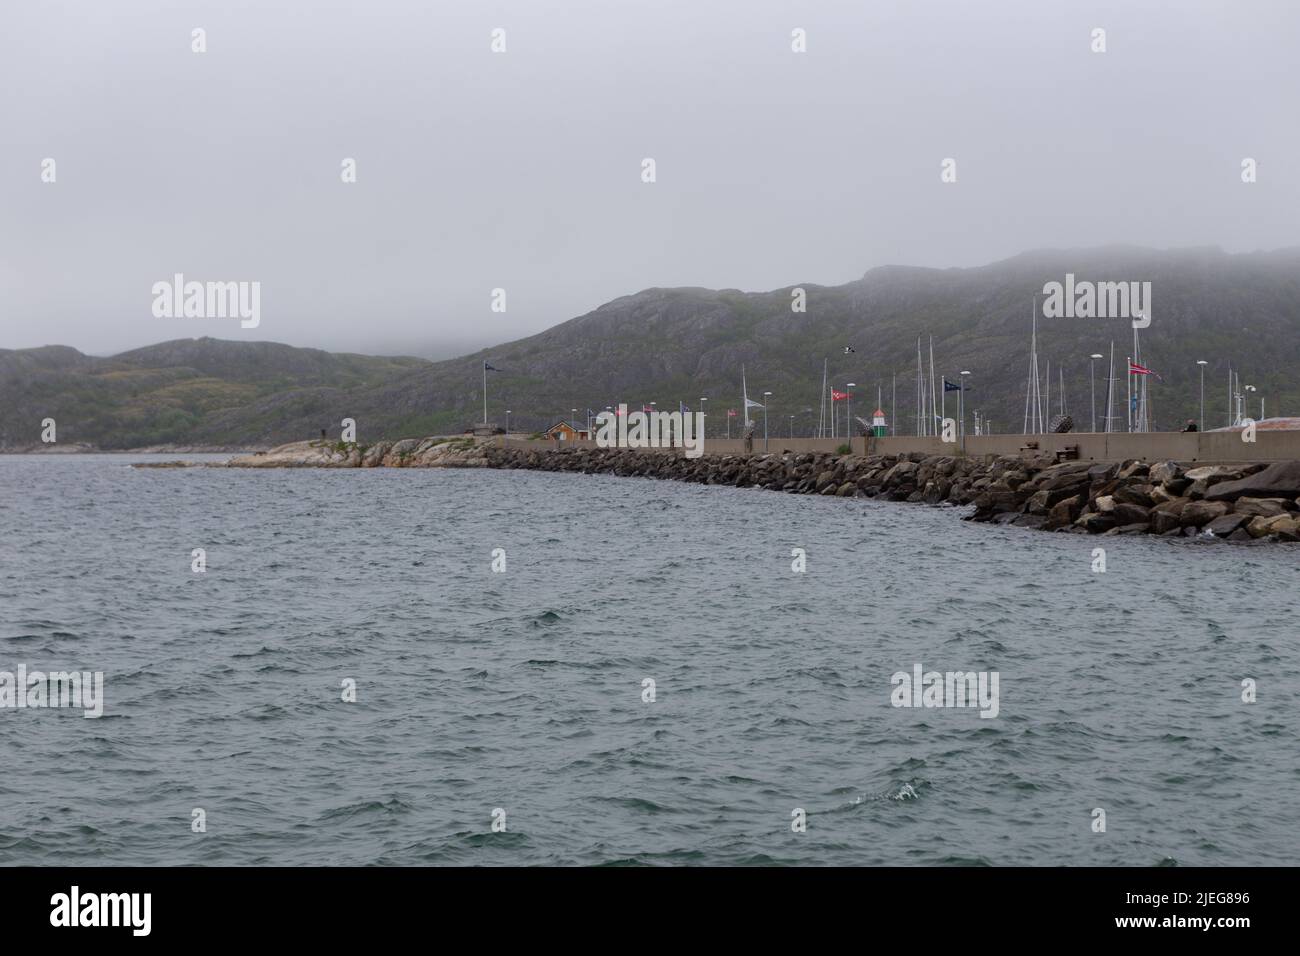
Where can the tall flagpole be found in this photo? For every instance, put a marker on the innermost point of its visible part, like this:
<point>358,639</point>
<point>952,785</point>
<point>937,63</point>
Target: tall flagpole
<point>1129,379</point>
<point>1110,391</point>
<point>821,418</point>
<point>485,391</point>
<point>1229,394</point>
<point>935,429</point>
<point>920,396</point>
<point>1048,416</point>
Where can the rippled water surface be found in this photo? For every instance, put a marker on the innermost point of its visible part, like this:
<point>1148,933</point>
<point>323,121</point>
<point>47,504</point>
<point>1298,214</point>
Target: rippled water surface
<point>522,690</point>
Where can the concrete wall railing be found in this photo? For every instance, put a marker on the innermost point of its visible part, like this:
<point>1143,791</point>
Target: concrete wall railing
<point>1149,446</point>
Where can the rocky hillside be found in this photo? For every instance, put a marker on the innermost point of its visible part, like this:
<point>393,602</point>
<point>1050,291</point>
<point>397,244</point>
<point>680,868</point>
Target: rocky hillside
<point>670,345</point>
<point>189,391</point>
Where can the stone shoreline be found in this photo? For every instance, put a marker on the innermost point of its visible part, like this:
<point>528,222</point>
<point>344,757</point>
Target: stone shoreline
<point>1236,502</point>
<point>1243,502</point>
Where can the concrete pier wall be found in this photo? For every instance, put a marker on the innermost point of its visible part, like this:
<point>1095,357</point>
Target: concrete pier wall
<point>1151,446</point>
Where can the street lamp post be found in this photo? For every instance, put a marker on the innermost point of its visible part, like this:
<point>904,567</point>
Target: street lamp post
<point>961,409</point>
<point>792,426</point>
<point>1092,387</point>
<point>704,410</point>
<point>507,424</point>
<point>767,400</point>
<point>848,411</point>
<point>1202,363</point>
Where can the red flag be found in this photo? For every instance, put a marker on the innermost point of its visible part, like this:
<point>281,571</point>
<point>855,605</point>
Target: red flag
<point>1135,369</point>
<point>731,413</point>
<point>838,396</point>
<point>646,408</point>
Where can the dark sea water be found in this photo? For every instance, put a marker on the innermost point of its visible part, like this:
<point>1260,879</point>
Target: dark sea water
<point>522,690</point>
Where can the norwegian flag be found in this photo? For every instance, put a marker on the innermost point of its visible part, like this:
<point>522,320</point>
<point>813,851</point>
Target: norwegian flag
<point>646,408</point>
<point>1135,369</point>
<point>838,396</point>
<point>731,413</point>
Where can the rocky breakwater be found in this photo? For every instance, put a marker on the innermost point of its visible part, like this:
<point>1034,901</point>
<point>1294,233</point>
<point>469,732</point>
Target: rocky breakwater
<point>1237,502</point>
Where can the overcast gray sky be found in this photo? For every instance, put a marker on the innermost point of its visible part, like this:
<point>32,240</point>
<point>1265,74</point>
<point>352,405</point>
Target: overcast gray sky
<point>522,169</point>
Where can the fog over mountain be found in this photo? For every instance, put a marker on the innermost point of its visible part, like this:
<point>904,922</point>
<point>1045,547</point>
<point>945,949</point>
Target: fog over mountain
<point>671,345</point>
<point>522,170</point>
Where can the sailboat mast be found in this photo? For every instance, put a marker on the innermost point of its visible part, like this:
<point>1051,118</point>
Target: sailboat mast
<point>933,397</point>
<point>1110,389</point>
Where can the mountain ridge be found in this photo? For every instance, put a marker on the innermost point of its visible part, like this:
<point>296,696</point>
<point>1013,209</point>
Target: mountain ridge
<point>670,344</point>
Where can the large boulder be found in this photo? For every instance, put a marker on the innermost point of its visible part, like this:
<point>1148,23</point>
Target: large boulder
<point>1214,473</point>
<point>1166,517</point>
<point>1199,513</point>
<point>1063,513</point>
<point>900,471</point>
<point>1095,523</point>
<point>1134,494</point>
<point>1265,507</point>
<point>990,502</point>
<point>1279,480</point>
<point>1162,493</point>
<point>1043,500</point>
<point>1205,477</point>
<point>1285,526</point>
<point>1163,471</point>
<point>1224,525</point>
<point>1129,514</point>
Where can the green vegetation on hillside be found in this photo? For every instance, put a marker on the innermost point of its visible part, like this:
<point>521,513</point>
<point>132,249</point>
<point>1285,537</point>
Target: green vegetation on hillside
<point>671,345</point>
